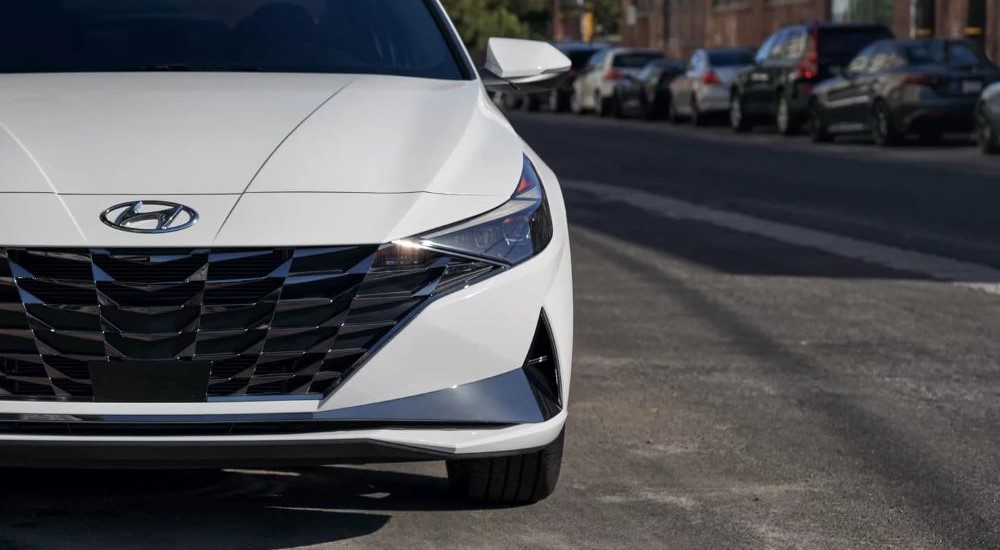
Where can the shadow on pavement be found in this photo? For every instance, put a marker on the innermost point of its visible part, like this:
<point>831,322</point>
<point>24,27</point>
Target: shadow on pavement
<point>208,509</point>
<point>717,248</point>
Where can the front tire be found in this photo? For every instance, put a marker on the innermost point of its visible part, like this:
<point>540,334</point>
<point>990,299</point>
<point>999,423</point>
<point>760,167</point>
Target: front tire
<point>738,120</point>
<point>557,101</point>
<point>787,124</point>
<point>884,130</point>
<point>817,125</point>
<point>516,479</point>
<point>986,133</point>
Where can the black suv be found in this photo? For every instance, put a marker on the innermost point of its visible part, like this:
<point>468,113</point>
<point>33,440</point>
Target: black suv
<point>779,84</point>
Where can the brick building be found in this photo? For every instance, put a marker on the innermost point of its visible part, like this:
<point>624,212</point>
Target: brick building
<point>680,26</point>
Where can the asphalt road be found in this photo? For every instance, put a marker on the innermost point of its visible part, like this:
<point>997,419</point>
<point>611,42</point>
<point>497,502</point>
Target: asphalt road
<point>731,390</point>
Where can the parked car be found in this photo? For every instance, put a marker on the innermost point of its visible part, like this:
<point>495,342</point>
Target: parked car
<point>557,99</point>
<point>703,90</point>
<point>899,87</point>
<point>647,95</point>
<point>358,292</point>
<point>778,85</point>
<point>988,120</point>
<point>595,89</point>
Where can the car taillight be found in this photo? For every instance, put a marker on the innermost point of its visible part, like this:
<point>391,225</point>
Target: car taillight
<point>613,75</point>
<point>808,68</point>
<point>921,80</point>
<point>710,79</point>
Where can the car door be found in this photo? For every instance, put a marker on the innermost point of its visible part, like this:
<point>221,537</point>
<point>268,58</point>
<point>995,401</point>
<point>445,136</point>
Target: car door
<point>760,85</point>
<point>841,96</point>
<point>687,81</point>
<point>589,81</point>
<point>864,88</point>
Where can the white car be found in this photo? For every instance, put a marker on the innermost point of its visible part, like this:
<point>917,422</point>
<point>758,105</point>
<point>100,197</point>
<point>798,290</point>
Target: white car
<point>703,90</point>
<point>594,90</point>
<point>248,233</point>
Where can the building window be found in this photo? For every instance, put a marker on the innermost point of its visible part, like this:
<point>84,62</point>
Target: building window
<point>862,11</point>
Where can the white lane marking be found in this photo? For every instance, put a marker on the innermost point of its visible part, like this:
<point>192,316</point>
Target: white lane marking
<point>964,274</point>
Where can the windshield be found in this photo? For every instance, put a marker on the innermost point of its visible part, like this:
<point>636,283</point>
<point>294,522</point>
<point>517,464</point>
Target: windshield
<point>730,58</point>
<point>395,37</point>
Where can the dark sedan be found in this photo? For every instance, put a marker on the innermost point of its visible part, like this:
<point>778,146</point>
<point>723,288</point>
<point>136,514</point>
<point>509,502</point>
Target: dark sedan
<point>647,94</point>
<point>898,87</point>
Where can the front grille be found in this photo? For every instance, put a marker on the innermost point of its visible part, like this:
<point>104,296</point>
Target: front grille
<point>272,322</point>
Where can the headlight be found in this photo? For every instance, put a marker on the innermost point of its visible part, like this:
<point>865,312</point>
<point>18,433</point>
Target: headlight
<point>510,234</point>
<point>499,239</point>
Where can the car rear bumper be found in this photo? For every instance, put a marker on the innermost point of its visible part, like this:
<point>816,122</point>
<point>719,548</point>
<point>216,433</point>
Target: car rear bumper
<point>940,115</point>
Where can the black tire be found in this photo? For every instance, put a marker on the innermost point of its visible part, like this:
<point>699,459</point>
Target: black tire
<point>517,479</point>
<point>616,106</point>
<point>558,102</point>
<point>986,132</point>
<point>530,103</point>
<point>738,120</point>
<point>788,124</point>
<point>884,129</point>
<point>817,125</point>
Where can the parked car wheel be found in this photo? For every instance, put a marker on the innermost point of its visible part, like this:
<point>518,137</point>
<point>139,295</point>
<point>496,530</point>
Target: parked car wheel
<point>787,123</point>
<point>530,103</point>
<point>617,107</point>
<point>817,125</point>
<point>557,101</point>
<point>517,479</point>
<point>986,134</point>
<point>883,128</point>
<point>738,120</point>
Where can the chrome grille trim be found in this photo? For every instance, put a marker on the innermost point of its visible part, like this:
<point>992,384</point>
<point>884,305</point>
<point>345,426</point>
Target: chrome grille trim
<point>273,322</point>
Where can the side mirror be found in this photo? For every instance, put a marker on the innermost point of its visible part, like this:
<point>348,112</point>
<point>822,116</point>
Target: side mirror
<point>522,65</point>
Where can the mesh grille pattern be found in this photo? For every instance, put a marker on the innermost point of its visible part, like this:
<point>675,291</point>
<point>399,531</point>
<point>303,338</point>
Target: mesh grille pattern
<point>272,322</point>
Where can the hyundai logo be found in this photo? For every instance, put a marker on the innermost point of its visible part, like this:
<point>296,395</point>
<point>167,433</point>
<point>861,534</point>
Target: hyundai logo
<point>149,217</point>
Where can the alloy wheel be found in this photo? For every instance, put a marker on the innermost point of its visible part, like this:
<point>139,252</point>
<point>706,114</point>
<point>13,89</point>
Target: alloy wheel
<point>988,139</point>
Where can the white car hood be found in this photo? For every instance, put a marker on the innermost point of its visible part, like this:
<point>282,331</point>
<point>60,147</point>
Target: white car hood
<point>252,153</point>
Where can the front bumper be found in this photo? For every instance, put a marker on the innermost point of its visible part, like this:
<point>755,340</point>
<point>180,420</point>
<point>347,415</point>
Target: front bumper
<point>452,383</point>
<point>356,445</point>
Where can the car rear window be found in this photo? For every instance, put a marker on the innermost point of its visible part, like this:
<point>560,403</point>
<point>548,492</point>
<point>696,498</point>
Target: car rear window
<point>396,37</point>
<point>942,52</point>
<point>634,60</point>
<point>730,59</point>
<point>848,41</point>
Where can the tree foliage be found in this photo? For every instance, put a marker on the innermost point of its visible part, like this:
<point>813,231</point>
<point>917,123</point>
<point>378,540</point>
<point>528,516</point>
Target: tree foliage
<point>478,20</point>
